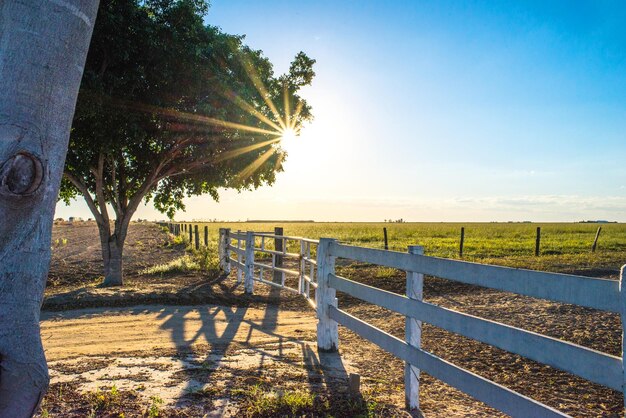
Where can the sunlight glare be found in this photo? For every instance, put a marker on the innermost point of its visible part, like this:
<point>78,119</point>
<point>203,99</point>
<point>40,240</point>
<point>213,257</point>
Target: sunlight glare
<point>288,135</point>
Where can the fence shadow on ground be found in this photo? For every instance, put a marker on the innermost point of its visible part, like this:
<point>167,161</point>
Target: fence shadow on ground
<point>228,330</point>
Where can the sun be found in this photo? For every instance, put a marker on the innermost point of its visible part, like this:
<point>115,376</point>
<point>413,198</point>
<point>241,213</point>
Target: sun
<point>288,135</point>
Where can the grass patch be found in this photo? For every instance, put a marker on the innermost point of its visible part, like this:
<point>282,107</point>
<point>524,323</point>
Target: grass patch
<point>203,260</point>
<point>103,400</point>
<point>207,258</point>
<point>184,264</point>
<point>385,272</point>
<point>259,402</point>
<point>154,410</point>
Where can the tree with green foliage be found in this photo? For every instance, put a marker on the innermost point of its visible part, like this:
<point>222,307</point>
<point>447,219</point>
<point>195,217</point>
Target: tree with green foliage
<point>170,107</point>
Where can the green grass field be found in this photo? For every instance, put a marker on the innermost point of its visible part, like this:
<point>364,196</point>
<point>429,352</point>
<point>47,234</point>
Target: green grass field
<point>565,247</point>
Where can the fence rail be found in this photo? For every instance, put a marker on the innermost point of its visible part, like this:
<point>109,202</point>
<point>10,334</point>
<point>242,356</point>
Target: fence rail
<point>248,248</point>
<point>318,284</point>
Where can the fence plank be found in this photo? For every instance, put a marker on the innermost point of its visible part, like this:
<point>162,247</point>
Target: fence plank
<point>276,285</point>
<point>237,235</point>
<point>589,364</point>
<point>279,269</point>
<point>484,390</point>
<point>236,250</point>
<point>594,293</point>
<point>240,266</point>
<point>277,253</point>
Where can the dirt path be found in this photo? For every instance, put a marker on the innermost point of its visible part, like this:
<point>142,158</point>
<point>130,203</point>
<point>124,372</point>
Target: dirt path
<point>185,356</point>
<point>145,328</point>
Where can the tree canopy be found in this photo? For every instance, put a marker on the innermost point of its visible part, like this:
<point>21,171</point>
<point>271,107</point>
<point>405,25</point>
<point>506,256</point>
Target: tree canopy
<point>170,107</point>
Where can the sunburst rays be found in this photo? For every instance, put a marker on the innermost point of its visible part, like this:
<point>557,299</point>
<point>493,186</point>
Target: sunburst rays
<point>191,117</point>
<point>229,155</point>
<point>283,127</point>
<point>255,165</point>
<point>260,87</point>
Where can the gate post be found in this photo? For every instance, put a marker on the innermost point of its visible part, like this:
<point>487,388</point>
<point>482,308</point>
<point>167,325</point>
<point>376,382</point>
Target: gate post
<point>325,296</point>
<point>278,276</point>
<point>249,278</point>
<point>221,248</point>
<point>226,249</point>
<point>414,290</point>
<point>302,268</point>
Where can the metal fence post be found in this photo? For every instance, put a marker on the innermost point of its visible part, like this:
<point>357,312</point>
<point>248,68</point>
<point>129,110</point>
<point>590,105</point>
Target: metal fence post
<point>196,236</point>
<point>249,279</point>
<point>414,290</point>
<point>325,296</point>
<point>206,236</point>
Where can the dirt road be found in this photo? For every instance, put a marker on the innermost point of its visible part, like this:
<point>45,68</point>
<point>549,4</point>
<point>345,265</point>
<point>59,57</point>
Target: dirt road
<point>145,328</point>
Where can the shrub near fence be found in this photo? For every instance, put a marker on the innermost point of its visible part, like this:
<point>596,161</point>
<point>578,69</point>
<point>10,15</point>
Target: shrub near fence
<point>319,274</point>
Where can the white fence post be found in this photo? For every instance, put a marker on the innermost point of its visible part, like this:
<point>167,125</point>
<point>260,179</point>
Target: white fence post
<point>302,267</point>
<point>239,258</point>
<point>226,250</point>
<point>327,332</point>
<point>622,291</point>
<point>414,290</point>
<point>221,248</point>
<point>249,280</point>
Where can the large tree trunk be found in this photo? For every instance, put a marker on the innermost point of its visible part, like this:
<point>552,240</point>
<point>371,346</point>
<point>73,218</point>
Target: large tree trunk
<point>43,45</point>
<point>112,257</point>
<point>112,249</point>
<point>113,270</point>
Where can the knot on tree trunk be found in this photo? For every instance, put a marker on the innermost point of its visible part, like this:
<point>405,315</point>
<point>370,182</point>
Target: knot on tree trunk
<point>21,175</point>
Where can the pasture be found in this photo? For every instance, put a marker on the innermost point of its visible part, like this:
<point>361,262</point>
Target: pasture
<point>565,247</point>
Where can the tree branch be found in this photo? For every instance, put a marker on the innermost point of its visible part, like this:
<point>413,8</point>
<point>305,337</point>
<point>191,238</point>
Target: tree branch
<point>82,188</point>
<point>99,174</point>
<point>115,190</point>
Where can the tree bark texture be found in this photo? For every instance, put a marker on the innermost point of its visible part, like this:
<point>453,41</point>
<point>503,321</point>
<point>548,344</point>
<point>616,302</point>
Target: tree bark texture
<point>43,46</point>
<point>112,249</point>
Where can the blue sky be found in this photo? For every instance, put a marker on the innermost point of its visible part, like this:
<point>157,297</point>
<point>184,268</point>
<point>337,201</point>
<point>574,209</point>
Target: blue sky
<point>442,111</point>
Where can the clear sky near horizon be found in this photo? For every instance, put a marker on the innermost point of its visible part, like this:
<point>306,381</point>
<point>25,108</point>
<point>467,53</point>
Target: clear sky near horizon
<point>440,111</point>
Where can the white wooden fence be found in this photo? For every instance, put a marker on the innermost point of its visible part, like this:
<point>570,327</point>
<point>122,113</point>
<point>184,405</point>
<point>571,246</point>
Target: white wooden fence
<point>601,294</point>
